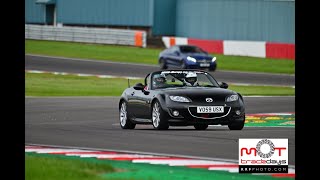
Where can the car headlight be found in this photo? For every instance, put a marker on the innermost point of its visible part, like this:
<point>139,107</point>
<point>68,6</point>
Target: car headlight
<point>191,59</point>
<point>179,99</point>
<point>214,59</point>
<point>232,98</point>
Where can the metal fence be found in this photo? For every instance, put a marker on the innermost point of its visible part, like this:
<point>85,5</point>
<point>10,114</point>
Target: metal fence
<point>87,35</point>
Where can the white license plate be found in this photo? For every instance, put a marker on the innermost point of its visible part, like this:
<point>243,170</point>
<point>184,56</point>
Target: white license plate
<point>210,109</point>
<point>204,65</point>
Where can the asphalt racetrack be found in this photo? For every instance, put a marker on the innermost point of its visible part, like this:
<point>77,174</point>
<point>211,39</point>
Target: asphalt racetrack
<point>93,122</point>
<point>44,63</point>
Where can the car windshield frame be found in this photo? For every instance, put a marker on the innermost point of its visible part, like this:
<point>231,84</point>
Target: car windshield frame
<point>179,75</point>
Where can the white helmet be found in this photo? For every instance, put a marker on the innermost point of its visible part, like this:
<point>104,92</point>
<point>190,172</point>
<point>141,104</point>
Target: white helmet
<point>159,80</point>
<point>191,78</point>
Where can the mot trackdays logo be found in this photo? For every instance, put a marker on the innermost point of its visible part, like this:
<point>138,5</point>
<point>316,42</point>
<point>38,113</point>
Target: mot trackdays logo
<point>263,155</point>
<point>209,100</point>
<point>270,150</point>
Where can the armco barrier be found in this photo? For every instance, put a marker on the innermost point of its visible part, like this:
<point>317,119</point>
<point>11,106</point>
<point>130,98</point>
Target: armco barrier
<point>88,35</point>
<point>242,48</point>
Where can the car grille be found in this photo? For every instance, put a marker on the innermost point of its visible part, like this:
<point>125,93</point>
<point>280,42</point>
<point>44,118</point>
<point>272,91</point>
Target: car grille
<point>218,100</point>
<point>203,61</point>
<point>193,112</point>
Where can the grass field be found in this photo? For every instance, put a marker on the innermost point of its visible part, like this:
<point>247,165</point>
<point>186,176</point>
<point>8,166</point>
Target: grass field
<point>150,56</point>
<point>59,167</point>
<point>71,85</point>
<point>48,168</point>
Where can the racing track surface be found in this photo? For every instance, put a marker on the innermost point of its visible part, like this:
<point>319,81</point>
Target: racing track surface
<point>125,69</point>
<point>93,122</point>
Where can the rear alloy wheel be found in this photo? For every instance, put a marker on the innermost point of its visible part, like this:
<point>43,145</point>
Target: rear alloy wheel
<point>159,119</point>
<point>125,122</point>
<point>200,126</point>
<point>236,126</point>
<point>162,64</point>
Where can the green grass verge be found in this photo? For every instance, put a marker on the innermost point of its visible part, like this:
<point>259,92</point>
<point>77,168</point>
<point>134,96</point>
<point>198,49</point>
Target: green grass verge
<point>71,85</point>
<point>49,168</point>
<point>93,51</point>
<point>263,90</point>
<point>254,64</point>
<point>126,170</point>
<point>150,56</point>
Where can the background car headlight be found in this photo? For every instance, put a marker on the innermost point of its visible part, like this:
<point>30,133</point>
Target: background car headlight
<point>214,59</point>
<point>232,98</point>
<point>191,59</point>
<point>179,99</point>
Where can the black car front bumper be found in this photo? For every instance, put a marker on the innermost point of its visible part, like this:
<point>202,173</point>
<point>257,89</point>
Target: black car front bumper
<point>188,115</point>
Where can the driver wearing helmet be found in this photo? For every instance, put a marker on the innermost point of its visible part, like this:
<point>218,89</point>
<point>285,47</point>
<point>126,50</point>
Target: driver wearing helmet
<point>159,80</point>
<point>191,79</point>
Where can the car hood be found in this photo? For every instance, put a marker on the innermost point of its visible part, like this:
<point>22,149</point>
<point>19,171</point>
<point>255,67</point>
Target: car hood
<point>200,93</point>
<point>198,55</point>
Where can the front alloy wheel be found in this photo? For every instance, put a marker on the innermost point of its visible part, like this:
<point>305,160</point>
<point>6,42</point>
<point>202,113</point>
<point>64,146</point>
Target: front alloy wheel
<point>125,122</point>
<point>159,120</point>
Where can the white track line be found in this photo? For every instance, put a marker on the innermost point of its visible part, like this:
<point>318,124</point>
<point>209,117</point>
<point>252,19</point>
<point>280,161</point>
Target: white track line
<point>183,162</point>
<point>136,152</point>
<point>139,158</point>
<point>91,60</point>
<point>109,156</point>
<point>53,150</point>
<point>80,74</point>
<point>137,64</point>
<point>140,152</point>
<point>134,77</point>
<point>254,96</point>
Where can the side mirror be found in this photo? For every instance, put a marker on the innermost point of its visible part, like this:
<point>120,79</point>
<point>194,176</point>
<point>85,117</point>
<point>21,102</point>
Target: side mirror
<point>138,86</point>
<point>224,85</point>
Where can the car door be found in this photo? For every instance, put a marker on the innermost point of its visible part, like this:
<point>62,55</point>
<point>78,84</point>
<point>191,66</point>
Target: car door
<point>174,57</point>
<point>142,109</point>
<point>132,102</point>
<point>140,100</point>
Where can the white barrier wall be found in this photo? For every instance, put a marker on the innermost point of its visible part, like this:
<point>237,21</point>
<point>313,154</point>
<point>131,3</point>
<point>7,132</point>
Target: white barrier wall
<point>238,48</point>
<point>89,35</point>
<point>166,41</point>
<point>181,41</point>
<point>171,41</point>
<point>245,48</point>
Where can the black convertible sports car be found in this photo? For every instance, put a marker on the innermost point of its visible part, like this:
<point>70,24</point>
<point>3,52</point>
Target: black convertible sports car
<point>181,98</point>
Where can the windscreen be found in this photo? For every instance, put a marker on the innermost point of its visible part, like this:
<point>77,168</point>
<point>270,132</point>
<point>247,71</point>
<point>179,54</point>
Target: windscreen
<point>191,49</point>
<point>174,79</point>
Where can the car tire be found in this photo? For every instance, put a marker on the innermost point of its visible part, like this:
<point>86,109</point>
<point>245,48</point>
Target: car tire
<point>236,126</point>
<point>125,121</point>
<point>159,117</point>
<point>200,126</point>
<point>213,69</point>
<point>183,65</point>
<point>162,64</point>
